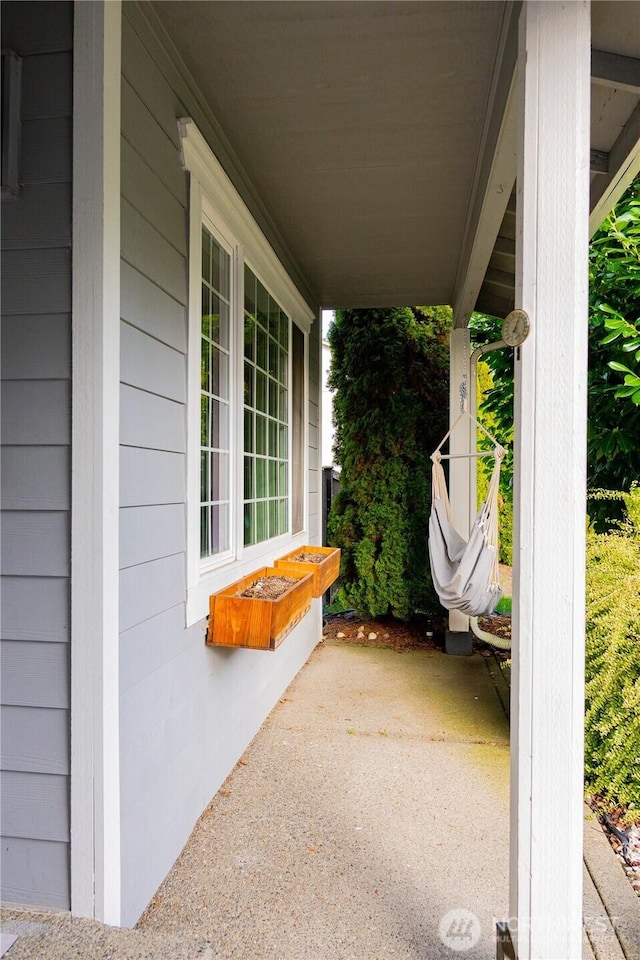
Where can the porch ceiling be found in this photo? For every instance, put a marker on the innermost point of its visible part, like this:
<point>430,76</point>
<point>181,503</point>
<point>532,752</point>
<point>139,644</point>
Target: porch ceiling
<point>362,126</point>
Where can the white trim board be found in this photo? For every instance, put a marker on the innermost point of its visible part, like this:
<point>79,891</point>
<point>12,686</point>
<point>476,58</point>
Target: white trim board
<point>199,160</point>
<point>95,756</point>
<point>547,713</point>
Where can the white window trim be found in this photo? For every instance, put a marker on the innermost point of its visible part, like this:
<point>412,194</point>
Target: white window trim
<point>212,194</point>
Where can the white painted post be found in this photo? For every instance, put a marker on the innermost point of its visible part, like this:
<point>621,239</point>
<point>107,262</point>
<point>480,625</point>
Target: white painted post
<point>95,730</point>
<point>459,473</point>
<point>551,375</point>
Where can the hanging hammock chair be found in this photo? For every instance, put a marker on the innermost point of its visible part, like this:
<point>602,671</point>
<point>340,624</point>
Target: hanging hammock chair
<point>465,573</point>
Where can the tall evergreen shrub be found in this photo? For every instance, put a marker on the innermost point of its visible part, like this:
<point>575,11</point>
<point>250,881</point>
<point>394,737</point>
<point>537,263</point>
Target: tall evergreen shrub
<point>390,373</point>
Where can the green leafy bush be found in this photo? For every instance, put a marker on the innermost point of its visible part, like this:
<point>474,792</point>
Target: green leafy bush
<point>390,373</point>
<point>612,721</point>
<point>502,428</point>
<point>614,315</point>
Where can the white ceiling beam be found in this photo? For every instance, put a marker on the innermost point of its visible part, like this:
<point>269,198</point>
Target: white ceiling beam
<point>495,174</point>
<point>624,165</point>
<point>614,70</point>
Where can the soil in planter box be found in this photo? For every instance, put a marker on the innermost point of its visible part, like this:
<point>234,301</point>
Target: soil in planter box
<point>267,588</point>
<point>308,558</point>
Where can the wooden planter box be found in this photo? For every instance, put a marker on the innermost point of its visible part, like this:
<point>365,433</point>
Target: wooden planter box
<point>324,573</point>
<point>260,624</point>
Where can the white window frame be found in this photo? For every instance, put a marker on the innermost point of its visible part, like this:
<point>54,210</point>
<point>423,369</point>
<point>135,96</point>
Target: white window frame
<point>213,198</point>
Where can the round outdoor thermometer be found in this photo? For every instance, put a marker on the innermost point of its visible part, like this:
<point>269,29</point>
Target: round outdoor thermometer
<point>515,328</point>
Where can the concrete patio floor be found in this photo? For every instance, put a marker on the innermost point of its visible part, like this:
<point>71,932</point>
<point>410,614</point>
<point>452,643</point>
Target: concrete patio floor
<point>373,801</point>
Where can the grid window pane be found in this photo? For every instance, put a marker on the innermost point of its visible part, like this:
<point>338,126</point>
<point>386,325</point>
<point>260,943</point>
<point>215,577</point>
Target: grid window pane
<point>273,478</point>
<point>220,528</point>
<point>249,489</point>
<point>273,438</point>
<point>249,373</point>
<point>215,460</point>
<point>249,338</point>
<point>274,359</point>
<point>206,310</point>
<point>274,319</point>
<point>263,342</point>
<point>284,332</point>
<point>273,518</point>
<point>266,411</point>
<point>261,435</point>
<point>204,532</point>
<point>283,519</point>
<point>261,477</point>
<point>283,482</point>
<point>249,291</point>
<point>262,532</point>
<point>249,524</point>
<point>205,407</point>
<point>261,391</point>
<point>273,398</point>
<point>248,432</point>
<point>205,366</point>
<point>263,305</point>
<point>204,475</point>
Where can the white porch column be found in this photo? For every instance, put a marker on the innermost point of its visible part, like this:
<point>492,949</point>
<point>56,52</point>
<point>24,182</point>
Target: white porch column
<point>459,473</point>
<point>95,729</point>
<point>551,375</point>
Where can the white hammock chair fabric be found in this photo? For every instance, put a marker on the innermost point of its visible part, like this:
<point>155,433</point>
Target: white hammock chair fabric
<point>465,573</point>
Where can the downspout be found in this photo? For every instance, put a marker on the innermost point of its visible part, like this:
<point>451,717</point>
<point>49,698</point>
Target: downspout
<point>497,642</point>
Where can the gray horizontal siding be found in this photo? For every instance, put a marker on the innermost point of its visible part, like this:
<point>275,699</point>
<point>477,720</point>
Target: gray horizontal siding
<point>46,146</point>
<point>146,192</point>
<point>35,544</point>
<point>155,641</point>
<point>47,86</point>
<point>41,219</point>
<point>150,477</point>
<point>145,248</point>
<point>36,483</point>
<point>151,365</point>
<point>35,872</point>
<point>52,359</point>
<point>36,412</point>
<point>35,740</point>
<point>35,807</point>
<point>148,420</point>
<point>153,89</point>
<point>36,478</point>
<point>35,674</point>
<point>35,281</point>
<point>150,588</point>
<point>145,306</point>
<point>151,533</point>
<point>45,600</point>
<point>42,28</point>
<point>142,132</point>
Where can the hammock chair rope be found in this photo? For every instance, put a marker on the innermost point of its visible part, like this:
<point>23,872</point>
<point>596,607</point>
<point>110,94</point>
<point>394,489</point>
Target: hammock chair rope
<point>465,573</point>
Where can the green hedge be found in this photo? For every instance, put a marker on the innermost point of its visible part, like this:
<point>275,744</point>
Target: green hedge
<point>612,721</point>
